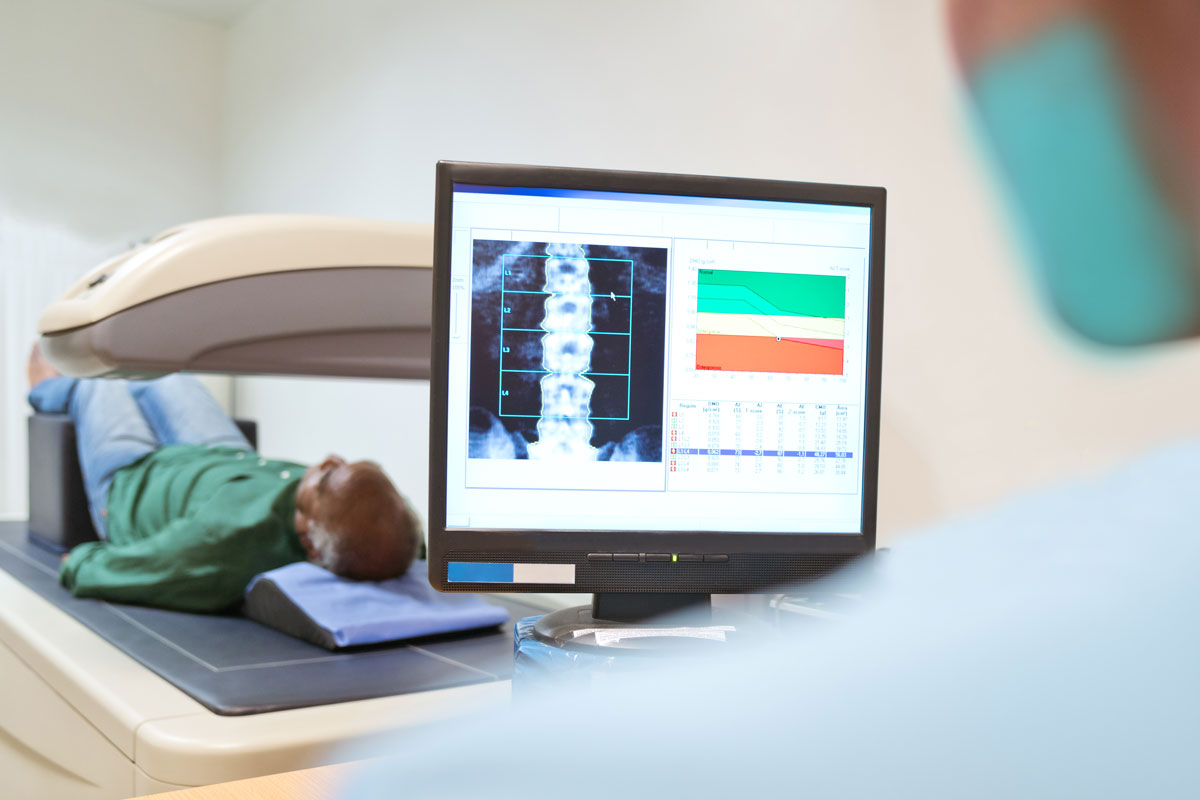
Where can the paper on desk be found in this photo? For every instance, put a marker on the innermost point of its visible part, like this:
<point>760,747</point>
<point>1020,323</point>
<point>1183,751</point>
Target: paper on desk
<point>610,636</point>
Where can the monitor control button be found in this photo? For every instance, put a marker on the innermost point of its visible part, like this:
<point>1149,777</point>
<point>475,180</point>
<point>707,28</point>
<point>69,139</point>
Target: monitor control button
<point>658,556</point>
<point>626,556</point>
<point>599,557</point>
<point>716,558</point>
<point>690,557</point>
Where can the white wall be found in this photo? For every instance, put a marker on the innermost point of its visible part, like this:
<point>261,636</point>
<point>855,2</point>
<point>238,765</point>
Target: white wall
<point>344,108</point>
<point>109,115</point>
<point>109,131</point>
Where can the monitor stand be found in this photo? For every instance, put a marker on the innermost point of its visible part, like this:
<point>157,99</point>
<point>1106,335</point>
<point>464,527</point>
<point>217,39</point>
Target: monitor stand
<point>647,622</point>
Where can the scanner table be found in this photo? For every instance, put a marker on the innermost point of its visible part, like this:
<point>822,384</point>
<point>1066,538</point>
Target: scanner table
<point>102,700</point>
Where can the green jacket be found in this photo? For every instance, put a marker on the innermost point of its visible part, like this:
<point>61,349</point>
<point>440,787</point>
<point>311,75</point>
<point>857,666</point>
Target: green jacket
<point>188,527</point>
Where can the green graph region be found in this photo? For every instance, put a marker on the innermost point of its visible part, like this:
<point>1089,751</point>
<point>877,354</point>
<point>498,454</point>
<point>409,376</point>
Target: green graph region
<point>725,291</point>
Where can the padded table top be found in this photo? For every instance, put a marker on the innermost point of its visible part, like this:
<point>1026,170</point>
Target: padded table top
<point>235,666</point>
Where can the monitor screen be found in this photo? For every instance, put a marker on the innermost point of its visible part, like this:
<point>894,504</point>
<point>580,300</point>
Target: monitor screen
<point>629,360</point>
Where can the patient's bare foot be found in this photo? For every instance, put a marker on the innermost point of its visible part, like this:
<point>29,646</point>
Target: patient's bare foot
<point>39,368</point>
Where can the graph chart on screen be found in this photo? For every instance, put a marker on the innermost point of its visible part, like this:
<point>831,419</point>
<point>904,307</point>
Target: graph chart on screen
<point>770,322</point>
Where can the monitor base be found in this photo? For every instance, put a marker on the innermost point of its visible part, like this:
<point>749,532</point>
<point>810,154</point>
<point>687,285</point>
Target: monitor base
<point>642,606</point>
<point>648,623</point>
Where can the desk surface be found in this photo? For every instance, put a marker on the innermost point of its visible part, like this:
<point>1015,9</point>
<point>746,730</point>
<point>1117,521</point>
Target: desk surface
<point>306,784</point>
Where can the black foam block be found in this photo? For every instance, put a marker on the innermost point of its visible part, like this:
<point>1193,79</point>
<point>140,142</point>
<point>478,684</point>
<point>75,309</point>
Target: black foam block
<point>58,507</point>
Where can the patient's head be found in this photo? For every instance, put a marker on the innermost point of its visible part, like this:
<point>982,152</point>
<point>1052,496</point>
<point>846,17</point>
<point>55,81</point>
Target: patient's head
<point>352,521</point>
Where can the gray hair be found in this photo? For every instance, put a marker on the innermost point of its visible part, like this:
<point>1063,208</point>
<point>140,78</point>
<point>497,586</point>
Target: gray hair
<point>325,543</point>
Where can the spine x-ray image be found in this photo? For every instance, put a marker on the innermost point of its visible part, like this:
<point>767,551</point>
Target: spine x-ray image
<point>567,351</point>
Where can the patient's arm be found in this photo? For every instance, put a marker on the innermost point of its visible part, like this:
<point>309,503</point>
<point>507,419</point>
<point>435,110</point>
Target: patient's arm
<point>198,563</point>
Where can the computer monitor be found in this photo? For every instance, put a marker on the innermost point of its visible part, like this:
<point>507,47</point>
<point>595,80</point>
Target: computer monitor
<point>651,383</point>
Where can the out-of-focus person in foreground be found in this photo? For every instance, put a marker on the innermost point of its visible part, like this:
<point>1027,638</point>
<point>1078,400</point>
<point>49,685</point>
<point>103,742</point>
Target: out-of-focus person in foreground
<point>1092,110</point>
<point>1046,648</point>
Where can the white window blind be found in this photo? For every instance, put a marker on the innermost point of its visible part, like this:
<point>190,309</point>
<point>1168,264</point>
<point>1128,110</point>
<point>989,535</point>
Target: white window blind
<point>37,262</point>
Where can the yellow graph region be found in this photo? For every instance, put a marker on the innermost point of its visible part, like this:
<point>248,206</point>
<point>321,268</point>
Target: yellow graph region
<point>781,327</point>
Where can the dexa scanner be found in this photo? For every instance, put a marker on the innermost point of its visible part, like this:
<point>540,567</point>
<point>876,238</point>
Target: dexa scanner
<point>268,294</point>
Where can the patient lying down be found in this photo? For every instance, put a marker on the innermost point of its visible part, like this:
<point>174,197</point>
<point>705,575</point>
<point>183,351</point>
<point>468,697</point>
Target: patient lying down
<point>188,513</point>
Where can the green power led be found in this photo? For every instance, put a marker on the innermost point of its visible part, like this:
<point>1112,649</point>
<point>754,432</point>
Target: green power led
<point>674,557</point>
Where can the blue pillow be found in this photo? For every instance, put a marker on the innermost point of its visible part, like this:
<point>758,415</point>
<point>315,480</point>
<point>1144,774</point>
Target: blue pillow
<point>312,603</point>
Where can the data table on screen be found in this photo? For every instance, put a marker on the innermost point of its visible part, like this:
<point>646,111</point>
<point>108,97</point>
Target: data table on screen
<point>734,446</point>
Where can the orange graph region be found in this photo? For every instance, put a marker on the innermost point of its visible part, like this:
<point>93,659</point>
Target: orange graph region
<point>766,354</point>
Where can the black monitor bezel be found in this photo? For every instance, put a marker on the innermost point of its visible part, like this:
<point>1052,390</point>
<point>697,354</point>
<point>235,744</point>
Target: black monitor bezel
<point>482,544</point>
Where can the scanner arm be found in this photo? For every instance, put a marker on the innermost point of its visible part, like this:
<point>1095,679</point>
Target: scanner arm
<point>267,294</point>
